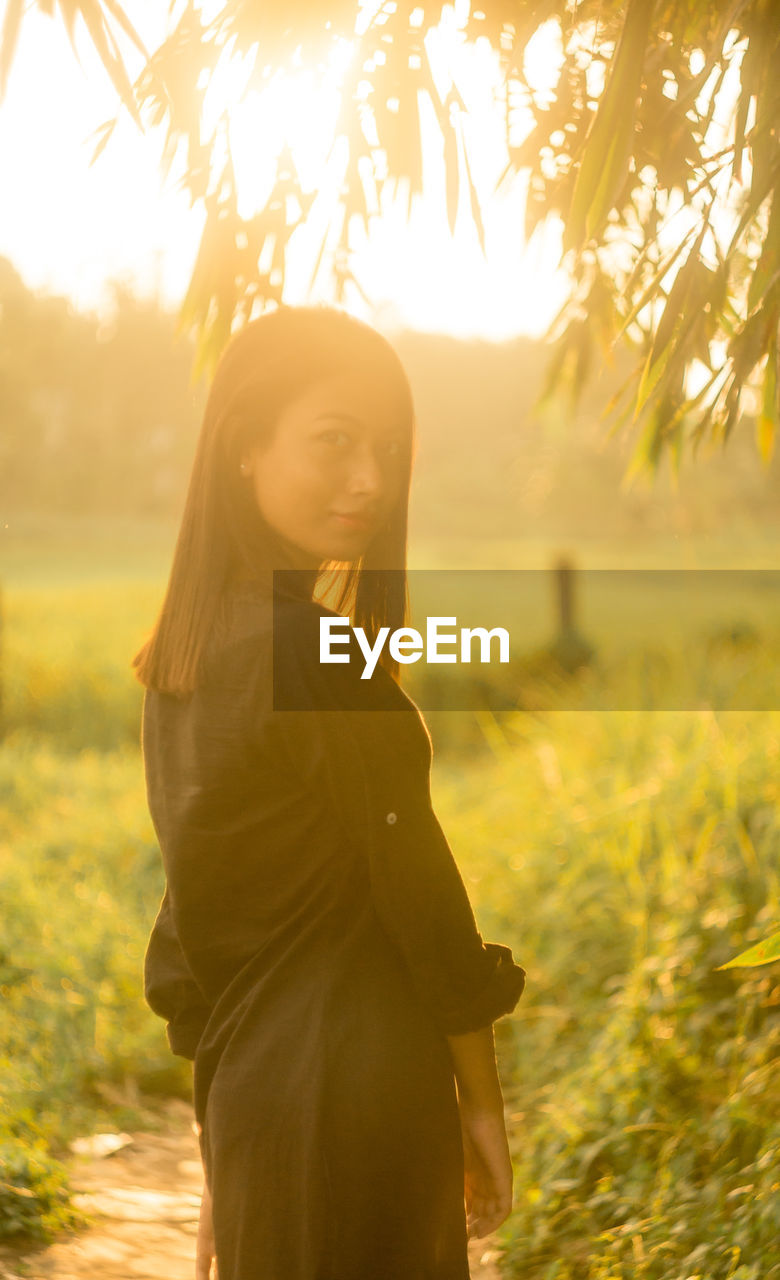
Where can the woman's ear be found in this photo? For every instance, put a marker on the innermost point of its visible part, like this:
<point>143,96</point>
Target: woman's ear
<point>247,455</point>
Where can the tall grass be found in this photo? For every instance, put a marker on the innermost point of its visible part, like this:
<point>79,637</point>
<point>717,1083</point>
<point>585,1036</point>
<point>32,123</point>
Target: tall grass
<point>626,857</point>
<point>81,880</point>
<point>66,656</point>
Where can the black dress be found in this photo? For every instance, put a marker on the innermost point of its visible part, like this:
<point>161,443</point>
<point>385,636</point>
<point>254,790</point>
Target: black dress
<point>314,947</point>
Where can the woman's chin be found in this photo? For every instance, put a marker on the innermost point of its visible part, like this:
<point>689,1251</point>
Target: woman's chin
<point>348,546</point>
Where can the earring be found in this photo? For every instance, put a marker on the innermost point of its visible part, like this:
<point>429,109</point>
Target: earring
<point>244,469</point>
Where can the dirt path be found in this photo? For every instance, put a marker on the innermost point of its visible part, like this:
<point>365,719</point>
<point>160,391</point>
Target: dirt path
<point>144,1199</point>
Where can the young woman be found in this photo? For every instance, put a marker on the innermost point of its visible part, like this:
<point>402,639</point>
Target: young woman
<point>315,952</point>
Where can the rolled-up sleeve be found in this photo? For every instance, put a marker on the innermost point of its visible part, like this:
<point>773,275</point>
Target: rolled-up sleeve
<point>377,763</point>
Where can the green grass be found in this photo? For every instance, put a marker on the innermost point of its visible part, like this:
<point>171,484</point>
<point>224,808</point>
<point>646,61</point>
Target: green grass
<point>81,880</point>
<point>626,857</point>
<point>67,655</point>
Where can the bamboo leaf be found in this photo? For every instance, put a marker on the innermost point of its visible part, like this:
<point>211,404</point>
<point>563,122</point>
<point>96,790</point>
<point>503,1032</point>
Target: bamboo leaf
<point>610,180</point>
<point>758,194</point>
<point>676,311</point>
<point>451,174</point>
<point>608,144</point>
<point>103,134</point>
<point>70,11</point>
<point>767,421</point>
<point>476,211</point>
<point>119,15</point>
<point>11,24</point>
<point>652,288</point>
<point>768,265</point>
<point>645,451</point>
<point>740,120</point>
<point>318,260</point>
<point>762,953</point>
<point>654,370</point>
<point>109,55</point>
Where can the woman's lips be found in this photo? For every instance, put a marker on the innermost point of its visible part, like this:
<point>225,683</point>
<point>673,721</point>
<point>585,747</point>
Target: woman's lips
<point>356,522</point>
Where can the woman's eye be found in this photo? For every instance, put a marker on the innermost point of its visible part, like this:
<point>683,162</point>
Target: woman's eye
<point>337,438</point>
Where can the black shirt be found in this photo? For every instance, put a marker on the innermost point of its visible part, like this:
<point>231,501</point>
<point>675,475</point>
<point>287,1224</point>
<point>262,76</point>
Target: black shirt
<point>313,913</point>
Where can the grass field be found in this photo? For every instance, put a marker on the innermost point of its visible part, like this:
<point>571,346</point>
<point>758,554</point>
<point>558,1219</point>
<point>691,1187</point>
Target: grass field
<point>623,854</point>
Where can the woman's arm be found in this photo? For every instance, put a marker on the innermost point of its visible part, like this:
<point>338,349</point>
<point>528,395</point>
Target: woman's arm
<point>169,987</point>
<point>370,747</point>
<point>476,1071</point>
<point>486,1159</point>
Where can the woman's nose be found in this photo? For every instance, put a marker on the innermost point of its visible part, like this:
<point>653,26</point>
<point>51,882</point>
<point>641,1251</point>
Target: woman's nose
<point>366,475</point>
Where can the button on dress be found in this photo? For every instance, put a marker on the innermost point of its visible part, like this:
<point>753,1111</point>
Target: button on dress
<point>314,947</point>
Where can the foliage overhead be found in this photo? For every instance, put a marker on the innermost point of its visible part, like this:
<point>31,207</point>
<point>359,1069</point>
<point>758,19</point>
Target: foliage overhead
<point>656,144</point>
<point>102,19</point>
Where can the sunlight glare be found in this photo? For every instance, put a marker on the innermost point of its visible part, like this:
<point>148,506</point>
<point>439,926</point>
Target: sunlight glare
<point>543,57</point>
<point>299,110</point>
<point>120,219</point>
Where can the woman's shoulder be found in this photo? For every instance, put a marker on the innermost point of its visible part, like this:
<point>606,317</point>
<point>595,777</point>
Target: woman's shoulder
<point>263,661</point>
<point>240,636</point>
<point>267,649</point>
<point>261,647</point>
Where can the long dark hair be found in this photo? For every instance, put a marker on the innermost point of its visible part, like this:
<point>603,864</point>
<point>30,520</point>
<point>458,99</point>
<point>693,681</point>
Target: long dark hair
<point>268,363</point>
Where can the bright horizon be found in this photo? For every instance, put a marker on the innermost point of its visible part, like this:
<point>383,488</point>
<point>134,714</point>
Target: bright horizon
<point>71,229</point>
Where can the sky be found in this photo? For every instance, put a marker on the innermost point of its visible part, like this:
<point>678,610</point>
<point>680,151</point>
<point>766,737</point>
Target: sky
<point>70,228</point>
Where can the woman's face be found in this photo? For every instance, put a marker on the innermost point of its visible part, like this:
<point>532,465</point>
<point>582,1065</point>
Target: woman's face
<point>331,473</point>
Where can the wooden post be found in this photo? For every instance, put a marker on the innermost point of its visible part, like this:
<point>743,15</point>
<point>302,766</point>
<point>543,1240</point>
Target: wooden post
<point>2,709</point>
<point>565,583</point>
<point>569,648</point>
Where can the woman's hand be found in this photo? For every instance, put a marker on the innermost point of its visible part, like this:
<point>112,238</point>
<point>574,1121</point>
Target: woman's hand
<point>204,1255</point>
<point>488,1169</point>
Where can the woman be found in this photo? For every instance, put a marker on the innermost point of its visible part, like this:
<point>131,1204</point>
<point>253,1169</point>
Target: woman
<point>315,952</point>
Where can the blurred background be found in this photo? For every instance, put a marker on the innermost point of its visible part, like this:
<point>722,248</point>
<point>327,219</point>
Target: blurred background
<point>624,854</point>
